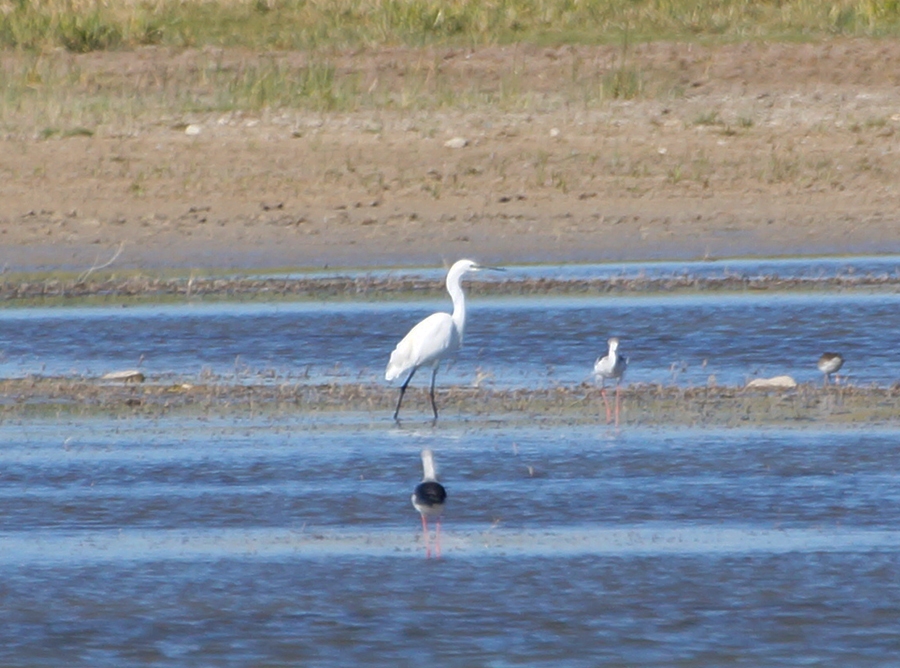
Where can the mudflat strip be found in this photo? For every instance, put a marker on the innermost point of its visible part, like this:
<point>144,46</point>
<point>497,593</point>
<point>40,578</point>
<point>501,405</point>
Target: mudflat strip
<point>643,405</point>
<point>25,291</point>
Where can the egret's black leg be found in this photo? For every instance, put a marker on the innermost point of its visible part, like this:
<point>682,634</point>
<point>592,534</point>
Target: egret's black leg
<point>433,405</point>
<point>402,391</point>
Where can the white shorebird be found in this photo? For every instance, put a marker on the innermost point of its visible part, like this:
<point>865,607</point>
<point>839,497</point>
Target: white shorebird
<point>434,338</point>
<point>428,498</point>
<point>830,363</point>
<point>612,365</point>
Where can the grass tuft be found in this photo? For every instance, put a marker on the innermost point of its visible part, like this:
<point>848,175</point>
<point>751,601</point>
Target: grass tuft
<point>272,85</point>
<point>623,83</point>
<point>94,31</point>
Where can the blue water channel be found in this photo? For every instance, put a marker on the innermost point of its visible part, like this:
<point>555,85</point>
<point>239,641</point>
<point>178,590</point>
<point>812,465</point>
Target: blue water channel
<point>181,541</point>
<point>511,342</point>
<point>289,539</point>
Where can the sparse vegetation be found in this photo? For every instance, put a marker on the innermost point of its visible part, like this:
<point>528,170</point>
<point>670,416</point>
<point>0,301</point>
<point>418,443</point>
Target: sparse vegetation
<point>103,284</point>
<point>651,404</point>
<point>708,118</point>
<point>581,109</point>
<point>624,83</point>
<point>40,79</point>
<point>88,25</point>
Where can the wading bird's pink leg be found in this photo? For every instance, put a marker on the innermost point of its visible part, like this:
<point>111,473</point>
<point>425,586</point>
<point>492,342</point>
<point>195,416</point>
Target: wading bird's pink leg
<point>437,540</point>
<point>606,403</point>
<point>426,537</point>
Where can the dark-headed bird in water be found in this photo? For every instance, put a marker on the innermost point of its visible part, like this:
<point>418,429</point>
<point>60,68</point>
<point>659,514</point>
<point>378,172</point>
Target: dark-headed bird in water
<point>428,498</point>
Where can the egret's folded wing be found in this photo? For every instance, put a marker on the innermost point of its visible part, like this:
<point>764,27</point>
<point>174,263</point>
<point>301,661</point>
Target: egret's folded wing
<point>427,342</point>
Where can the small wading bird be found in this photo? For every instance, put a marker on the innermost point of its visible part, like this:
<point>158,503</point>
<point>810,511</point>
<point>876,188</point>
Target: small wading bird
<point>434,338</point>
<point>428,498</point>
<point>830,363</point>
<point>612,365</point>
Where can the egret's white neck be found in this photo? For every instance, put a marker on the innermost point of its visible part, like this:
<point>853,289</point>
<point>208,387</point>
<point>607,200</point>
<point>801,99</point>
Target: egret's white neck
<point>428,465</point>
<point>454,277</point>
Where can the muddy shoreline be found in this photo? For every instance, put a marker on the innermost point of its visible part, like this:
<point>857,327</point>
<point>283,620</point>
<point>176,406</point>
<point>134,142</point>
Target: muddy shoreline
<point>55,291</point>
<point>643,405</point>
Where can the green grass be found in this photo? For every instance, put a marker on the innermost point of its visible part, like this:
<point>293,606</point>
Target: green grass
<point>56,95</point>
<point>291,54</point>
<point>90,25</point>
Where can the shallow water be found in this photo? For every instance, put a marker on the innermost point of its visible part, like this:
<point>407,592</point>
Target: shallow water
<point>291,540</point>
<point>511,342</point>
<point>280,542</point>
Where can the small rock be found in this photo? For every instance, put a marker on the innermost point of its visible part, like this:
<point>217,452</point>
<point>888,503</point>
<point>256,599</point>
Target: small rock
<point>456,142</point>
<point>192,130</point>
<point>776,383</point>
<point>128,376</point>
<point>554,132</point>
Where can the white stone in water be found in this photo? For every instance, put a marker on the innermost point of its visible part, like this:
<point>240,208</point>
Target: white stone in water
<point>128,376</point>
<point>456,142</point>
<point>775,383</point>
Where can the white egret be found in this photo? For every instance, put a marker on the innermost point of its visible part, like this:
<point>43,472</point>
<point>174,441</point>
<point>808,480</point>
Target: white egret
<point>428,498</point>
<point>830,363</point>
<point>612,365</point>
<point>434,338</point>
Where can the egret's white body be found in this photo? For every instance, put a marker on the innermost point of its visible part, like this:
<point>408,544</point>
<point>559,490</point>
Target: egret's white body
<point>429,498</point>
<point>430,341</point>
<point>830,363</point>
<point>434,338</point>
<point>612,365</point>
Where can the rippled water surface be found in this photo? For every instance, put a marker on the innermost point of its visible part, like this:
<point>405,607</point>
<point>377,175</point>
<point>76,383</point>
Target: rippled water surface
<point>290,539</point>
<point>522,342</point>
<point>283,542</point>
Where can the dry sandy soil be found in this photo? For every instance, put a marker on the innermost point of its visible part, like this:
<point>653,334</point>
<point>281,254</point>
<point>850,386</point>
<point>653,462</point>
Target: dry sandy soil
<point>754,149</point>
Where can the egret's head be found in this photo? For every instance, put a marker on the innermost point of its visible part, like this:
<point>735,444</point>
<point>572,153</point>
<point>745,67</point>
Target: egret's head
<point>462,266</point>
<point>613,343</point>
